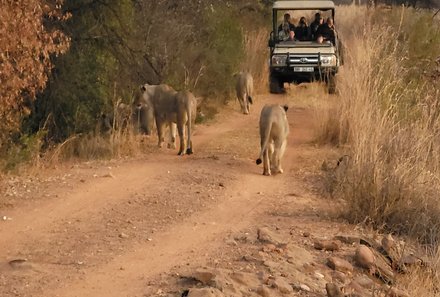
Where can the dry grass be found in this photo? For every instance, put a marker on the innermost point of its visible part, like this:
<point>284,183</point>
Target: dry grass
<point>256,58</point>
<point>392,128</point>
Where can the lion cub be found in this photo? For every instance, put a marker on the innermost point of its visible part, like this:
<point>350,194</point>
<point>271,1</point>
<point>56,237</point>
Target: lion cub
<point>274,129</point>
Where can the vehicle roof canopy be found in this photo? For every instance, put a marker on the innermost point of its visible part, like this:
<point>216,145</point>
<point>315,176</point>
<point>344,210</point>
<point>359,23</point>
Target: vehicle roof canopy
<point>304,4</point>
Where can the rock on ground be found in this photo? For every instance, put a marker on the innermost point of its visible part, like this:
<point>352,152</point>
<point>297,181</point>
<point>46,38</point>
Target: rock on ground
<point>265,235</point>
<point>339,264</point>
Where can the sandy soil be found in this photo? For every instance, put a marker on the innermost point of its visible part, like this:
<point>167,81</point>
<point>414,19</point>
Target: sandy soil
<point>133,227</point>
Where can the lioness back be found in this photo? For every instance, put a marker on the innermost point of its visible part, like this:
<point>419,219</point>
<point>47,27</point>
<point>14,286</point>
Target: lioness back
<point>274,129</point>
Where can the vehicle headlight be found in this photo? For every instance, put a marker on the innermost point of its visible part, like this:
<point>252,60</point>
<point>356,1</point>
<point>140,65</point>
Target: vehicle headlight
<point>279,60</point>
<point>328,60</point>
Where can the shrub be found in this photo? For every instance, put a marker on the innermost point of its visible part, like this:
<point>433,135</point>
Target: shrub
<point>389,115</point>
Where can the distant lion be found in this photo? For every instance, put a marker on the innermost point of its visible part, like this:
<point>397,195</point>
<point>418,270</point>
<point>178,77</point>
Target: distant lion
<point>170,107</point>
<point>274,129</point>
<point>244,88</point>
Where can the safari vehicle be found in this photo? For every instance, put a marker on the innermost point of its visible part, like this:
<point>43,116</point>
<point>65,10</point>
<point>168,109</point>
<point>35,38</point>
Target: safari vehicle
<point>302,61</point>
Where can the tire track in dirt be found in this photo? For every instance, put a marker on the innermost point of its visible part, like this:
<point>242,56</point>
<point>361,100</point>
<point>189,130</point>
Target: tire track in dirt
<point>124,272</point>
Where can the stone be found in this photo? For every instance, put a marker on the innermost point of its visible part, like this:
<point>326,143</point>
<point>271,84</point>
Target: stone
<point>268,248</point>
<point>391,250</point>
<point>382,268</point>
<point>365,282</point>
<point>388,243</point>
<point>304,287</point>
<point>20,264</point>
<point>348,239</point>
<point>298,255</point>
<point>263,291</point>
<point>203,275</point>
<point>394,292</point>
<point>326,245</point>
<point>205,292</point>
<point>407,261</point>
<point>333,290</point>
<point>231,241</point>
<point>265,235</point>
<point>364,257</point>
<point>339,277</point>
<point>123,235</point>
<point>339,264</point>
<point>355,289</point>
<point>263,277</point>
<point>282,285</point>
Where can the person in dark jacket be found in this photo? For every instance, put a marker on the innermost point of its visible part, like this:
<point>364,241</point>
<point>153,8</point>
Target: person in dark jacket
<point>327,31</point>
<point>315,25</point>
<point>286,20</point>
<point>302,31</point>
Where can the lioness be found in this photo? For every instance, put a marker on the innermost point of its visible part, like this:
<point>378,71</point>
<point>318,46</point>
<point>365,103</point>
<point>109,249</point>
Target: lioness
<point>274,129</point>
<point>244,88</point>
<point>169,107</point>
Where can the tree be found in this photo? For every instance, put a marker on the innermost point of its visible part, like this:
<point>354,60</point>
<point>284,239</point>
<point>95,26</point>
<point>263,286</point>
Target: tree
<point>28,40</point>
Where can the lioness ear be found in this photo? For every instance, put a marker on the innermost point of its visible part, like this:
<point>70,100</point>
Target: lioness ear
<point>143,88</point>
<point>285,107</point>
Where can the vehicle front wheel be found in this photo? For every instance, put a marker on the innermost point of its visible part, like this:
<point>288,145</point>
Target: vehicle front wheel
<point>331,84</point>
<point>275,85</point>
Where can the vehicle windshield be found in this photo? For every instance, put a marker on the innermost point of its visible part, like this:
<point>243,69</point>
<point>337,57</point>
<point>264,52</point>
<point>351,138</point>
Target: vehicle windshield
<point>301,26</point>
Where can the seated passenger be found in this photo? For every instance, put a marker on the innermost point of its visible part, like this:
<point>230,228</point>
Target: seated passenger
<point>302,31</point>
<point>284,34</point>
<point>292,36</point>
<point>327,31</point>
<point>320,39</point>
<point>286,20</point>
<point>315,24</point>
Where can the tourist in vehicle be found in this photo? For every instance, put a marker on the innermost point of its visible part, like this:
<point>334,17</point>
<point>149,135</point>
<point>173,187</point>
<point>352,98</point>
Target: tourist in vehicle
<point>284,34</point>
<point>327,31</point>
<point>302,31</point>
<point>292,36</point>
<point>286,20</point>
<point>319,39</point>
<point>315,25</point>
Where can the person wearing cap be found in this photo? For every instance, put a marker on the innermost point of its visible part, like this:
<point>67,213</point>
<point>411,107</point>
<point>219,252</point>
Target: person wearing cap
<point>315,25</point>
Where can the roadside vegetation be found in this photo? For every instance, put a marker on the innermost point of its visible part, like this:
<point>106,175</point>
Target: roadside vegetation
<point>97,53</point>
<point>387,121</point>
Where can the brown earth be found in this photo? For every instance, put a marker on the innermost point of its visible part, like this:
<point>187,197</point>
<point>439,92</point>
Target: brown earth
<point>135,227</point>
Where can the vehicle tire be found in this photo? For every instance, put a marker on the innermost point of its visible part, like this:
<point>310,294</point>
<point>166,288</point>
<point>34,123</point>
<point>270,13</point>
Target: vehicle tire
<point>275,85</point>
<point>331,84</point>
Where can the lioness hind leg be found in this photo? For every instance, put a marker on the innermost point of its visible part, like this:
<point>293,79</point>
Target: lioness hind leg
<point>160,127</point>
<point>172,143</point>
<point>180,130</point>
<point>280,155</point>
<point>266,162</point>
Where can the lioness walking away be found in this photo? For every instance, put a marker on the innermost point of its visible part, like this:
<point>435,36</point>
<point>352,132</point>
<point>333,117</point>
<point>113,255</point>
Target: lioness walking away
<point>170,108</point>
<point>274,129</point>
<point>244,88</point>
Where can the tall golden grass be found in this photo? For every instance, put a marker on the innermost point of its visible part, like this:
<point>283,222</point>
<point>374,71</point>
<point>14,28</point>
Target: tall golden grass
<point>256,59</point>
<point>390,124</point>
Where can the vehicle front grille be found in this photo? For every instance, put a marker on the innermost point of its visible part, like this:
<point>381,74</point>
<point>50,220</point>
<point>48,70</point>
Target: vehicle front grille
<point>304,60</point>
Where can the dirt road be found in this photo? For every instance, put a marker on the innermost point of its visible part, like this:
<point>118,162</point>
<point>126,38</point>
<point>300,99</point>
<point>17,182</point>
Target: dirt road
<point>110,229</point>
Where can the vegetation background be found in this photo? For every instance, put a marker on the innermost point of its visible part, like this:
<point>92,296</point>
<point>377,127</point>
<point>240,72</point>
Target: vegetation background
<point>64,63</point>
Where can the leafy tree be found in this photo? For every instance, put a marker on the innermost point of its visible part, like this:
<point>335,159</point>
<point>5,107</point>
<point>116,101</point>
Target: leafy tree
<point>28,40</point>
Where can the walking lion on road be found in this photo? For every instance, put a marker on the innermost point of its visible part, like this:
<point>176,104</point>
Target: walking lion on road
<point>274,129</point>
<point>170,108</point>
<point>244,88</point>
